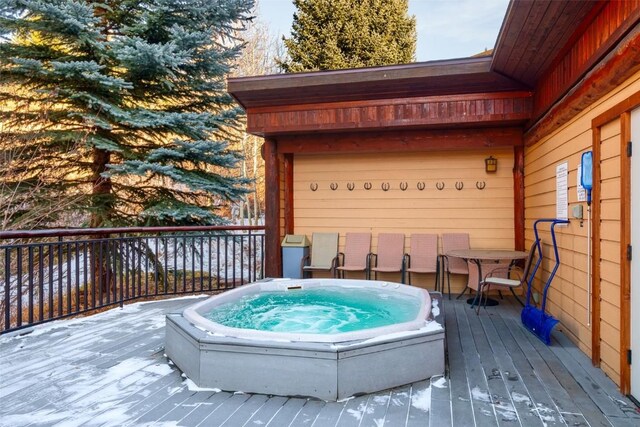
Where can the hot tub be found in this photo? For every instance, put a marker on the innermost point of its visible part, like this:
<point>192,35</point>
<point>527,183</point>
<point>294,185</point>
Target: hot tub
<point>329,366</point>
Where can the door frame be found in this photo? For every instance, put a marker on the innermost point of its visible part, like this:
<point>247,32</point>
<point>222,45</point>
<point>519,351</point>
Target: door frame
<point>620,111</point>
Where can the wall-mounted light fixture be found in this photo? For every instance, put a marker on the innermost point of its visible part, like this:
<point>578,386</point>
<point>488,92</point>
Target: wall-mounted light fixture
<point>490,164</point>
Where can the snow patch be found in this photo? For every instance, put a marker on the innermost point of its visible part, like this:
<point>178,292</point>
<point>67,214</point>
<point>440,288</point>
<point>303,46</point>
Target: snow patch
<point>440,383</point>
<point>49,327</point>
<point>502,408</point>
<point>396,402</point>
<point>159,369</point>
<point>435,310</point>
<point>422,399</point>
<point>428,327</point>
<point>194,387</point>
<point>520,398</point>
<point>357,414</point>
<point>480,395</point>
<point>545,414</point>
<point>381,400</point>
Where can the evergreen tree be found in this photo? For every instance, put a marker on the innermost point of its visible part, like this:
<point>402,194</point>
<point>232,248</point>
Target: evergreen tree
<point>336,34</point>
<point>122,105</point>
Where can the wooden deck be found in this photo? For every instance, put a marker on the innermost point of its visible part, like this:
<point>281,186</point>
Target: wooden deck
<point>109,369</point>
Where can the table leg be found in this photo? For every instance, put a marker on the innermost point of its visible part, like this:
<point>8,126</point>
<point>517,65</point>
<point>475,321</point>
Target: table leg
<point>475,300</point>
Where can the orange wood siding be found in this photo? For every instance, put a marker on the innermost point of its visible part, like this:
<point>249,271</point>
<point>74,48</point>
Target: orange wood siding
<point>568,294</point>
<point>584,49</point>
<point>487,215</point>
<point>610,249</point>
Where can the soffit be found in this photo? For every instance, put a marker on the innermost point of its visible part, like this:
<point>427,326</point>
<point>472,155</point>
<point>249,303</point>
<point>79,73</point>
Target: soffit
<point>534,33</point>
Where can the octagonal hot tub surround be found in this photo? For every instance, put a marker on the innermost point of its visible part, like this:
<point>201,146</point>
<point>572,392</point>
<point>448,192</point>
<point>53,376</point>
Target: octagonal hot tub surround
<point>325,366</point>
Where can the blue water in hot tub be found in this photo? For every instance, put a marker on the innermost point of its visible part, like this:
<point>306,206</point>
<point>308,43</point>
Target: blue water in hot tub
<point>322,310</point>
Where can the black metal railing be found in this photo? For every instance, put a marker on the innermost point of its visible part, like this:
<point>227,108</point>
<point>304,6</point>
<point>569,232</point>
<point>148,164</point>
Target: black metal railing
<point>52,274</point>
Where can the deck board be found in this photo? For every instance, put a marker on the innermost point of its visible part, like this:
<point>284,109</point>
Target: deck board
<point>461,408</point>
<point>398,408</point>
<point>537,393</point>
<point>329,414</point>
<point>246,411</point>
<point>352,413</point>
<point>264,414</point>
<point>483,411</point>
<point>206,408</point>
<point>308,413</point>
<point>498,396</point>
<point>376,409</point>
<point>287,412</point>
<point>110,369</point>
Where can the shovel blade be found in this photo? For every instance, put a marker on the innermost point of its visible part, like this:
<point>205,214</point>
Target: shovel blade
<point>538,322</point>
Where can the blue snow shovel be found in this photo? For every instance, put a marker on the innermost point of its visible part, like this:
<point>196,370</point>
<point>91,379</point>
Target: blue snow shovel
<point>535,319</point>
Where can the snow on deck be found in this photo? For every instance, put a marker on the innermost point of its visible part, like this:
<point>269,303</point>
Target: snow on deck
<point>109,369</point>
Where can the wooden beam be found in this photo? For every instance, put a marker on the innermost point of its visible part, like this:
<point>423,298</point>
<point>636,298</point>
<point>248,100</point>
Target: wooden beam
<point>625,239</point>
<point>406,113</point>
<point>595,249</point>
<point>617,110</point>
<point>407,140</point>
<point>288,194</point>
<point>484,96</point>
<point>518,197</point>
<point>273,256</point>
<point>614,69</point>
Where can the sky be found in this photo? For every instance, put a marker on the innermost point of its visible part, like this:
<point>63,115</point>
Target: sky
<point>446,28</point>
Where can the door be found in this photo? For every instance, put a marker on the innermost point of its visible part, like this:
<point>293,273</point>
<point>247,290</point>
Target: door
<point>635,262</point>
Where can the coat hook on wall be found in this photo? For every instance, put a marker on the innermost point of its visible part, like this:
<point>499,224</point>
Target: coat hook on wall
<point>459,185</point>
<point>313,186</point>
<point>333,186</point>
<point>404,186</point>
<point>440,185</point>
<point>385,186</point>
<point>480,185</point>
<point>420,185</point>
<point>350,186</point>
<point>367,186</point>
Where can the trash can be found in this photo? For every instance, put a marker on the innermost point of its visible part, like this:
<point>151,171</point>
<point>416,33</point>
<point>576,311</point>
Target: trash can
<point>294,248</point>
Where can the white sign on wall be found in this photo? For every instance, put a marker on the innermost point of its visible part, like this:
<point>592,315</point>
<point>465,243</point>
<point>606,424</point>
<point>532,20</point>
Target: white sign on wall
<point>562,190</point>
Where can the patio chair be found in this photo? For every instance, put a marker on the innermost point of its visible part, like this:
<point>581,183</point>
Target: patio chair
<point>452,265</point>
<point>390,256</point>
<point>423,256</point>
<point>356,255</point>
<point>497,269</point>
<point>324,254</point>
<point>500,278</point>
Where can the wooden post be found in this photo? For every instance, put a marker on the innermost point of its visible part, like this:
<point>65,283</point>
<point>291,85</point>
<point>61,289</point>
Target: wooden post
<point>625,265</point>
<point>273,256</point>
<point>595,249</point>
<point>518,197</point>
<point>288,194</point>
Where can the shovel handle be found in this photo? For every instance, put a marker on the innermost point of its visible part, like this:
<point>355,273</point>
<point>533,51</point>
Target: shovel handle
<point>553,222</point>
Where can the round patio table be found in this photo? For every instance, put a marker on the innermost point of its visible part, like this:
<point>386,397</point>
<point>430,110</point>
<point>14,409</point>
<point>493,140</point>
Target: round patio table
<point>477,256</point>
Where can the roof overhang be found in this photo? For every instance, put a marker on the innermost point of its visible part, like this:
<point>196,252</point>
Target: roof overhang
<point>422,79</point>
<point>535,33</point>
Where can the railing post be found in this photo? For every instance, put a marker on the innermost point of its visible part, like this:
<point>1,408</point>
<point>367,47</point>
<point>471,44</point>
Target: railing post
<point>7,288</point>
